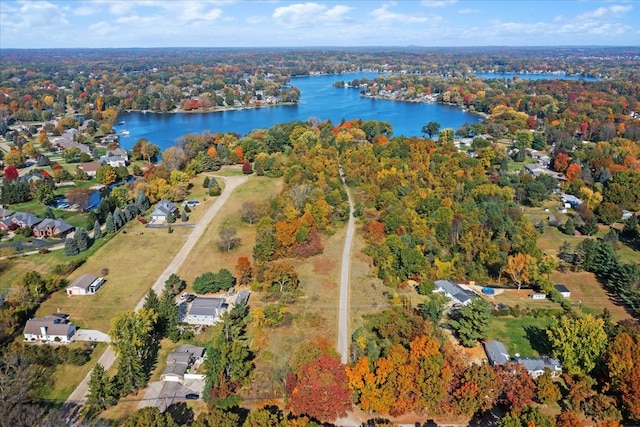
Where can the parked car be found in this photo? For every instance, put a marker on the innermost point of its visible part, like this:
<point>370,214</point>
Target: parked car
<point>192,396</point>
<point>190,203</point>
<point>190,298</point>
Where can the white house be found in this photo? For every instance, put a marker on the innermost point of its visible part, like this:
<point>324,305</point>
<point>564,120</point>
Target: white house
<point>87,284</point>
<point>114,161</point>
<point>564,291</point>
<point>53,328</point>
<point>538,296</point>
<point>535,366</point>
<point>204,311</point>
<point>162,209</point>
<point>459,294</point>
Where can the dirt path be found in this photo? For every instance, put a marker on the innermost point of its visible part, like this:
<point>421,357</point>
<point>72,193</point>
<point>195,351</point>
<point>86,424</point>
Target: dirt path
<point>343,311</point>
<point>78,396</point>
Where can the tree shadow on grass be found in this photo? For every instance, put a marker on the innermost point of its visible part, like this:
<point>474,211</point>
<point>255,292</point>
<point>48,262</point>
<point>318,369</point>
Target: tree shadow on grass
<point>538,339</point>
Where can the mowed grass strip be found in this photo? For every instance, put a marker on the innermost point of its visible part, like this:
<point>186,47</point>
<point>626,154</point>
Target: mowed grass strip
<point>519,334</point>
<point>135,257</point>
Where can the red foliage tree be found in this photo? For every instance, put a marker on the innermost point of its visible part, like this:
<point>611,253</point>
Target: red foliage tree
<point>11,173</point>
<point>246,168</point>
<point>570,419</point>
<point>244,269</point>
<point>561,163</point>
<point>518,388</point>
<point>320,390</point>
<point>573,171</point>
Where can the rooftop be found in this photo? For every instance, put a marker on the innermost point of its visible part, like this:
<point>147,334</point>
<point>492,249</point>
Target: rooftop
<point>206,306</point>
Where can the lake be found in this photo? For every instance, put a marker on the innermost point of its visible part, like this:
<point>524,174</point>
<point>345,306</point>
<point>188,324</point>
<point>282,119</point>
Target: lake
<point>318,100</point>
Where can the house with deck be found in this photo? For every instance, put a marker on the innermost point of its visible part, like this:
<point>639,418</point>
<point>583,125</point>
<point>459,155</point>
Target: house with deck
<point>459,294</point>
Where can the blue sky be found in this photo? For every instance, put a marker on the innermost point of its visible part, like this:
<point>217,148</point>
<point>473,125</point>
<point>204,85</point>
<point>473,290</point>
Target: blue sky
<point>229,23</point>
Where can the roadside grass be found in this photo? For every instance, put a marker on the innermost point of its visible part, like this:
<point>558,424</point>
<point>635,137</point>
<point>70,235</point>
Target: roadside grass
<point>67,377</point>
<point>523,335</point>
<point>134,257</point>
<point>585,287</point>
<point>125,407</point>
<point>166,347</point>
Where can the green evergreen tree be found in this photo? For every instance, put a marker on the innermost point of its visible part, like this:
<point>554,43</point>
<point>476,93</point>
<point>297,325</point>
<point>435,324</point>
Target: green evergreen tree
<point>142,201</point>
<point>70,247</point>
<point>110,226</point>
<point>569,228</point>
<point>183,216</point>
<point>100,391</point>
<point>83,241</point>
<point>170,218</point>
<point>48,213</point>
<point>473,321</point>
<point>205,183</point>
<point>97,231</point>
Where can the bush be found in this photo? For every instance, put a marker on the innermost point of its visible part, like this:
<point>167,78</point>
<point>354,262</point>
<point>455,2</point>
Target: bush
<point>247,169</point>
<point>425,287</point>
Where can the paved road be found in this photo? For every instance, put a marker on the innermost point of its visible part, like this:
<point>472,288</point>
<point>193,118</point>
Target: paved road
<point>343,310</point>
<point>79,395</point>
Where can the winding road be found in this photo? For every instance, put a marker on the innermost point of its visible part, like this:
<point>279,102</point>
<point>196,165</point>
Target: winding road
<point>343,310</point>
<point>79,396</point>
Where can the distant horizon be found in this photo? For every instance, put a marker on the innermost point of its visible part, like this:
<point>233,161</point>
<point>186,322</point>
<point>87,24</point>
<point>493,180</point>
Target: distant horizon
<point>156,24</point>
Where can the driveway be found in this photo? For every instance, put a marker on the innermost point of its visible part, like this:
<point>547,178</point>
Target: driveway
<point>90,335</point>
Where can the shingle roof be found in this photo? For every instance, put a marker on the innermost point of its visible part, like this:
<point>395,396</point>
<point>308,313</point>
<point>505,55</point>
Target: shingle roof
<point>53,327</point>
<point>206,306</point>
<point>26,218</point>
<point>561,288</point>
<point>84,281</point>
<point>60,224</point>
<point>496,352</point>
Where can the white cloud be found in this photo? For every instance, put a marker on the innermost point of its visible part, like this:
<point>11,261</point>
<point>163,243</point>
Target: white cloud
<point>438,3</point>
<point>310,14</point>
<point>39,14</point>
<point>383,14</point>
<point>615,10</point>
<point>467,11</point>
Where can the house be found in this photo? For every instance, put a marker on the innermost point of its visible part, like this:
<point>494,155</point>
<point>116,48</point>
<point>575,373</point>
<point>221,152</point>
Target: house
<point>457,293</point>
<point>497,353</point>
<point>162,209</point>
<point>53,328</point>
<point>87,284</point>
<point>570,201</point>
<point>625,214</point>
<point>25,219</point>
<point>180,362</point>
<point>535,366</point>
<point>52,228</point>
<point>204,311</point>
<point>5,213</point>
<point>113,161</point>
<point>90,168</point>
<point>538,296</point>
<point>563,290</point>
<point>537,170</point>
<point>119,152</point>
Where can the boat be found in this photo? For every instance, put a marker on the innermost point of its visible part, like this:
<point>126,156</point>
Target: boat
<point>120,123</point>
<point>125,133</point>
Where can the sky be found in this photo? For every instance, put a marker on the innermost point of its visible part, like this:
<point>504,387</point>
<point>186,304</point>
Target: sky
<point>272,23</point>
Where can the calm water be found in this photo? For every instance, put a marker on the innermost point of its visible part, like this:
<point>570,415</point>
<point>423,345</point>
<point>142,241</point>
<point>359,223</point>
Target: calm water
<point>318,100</point>
<point>533,76</point>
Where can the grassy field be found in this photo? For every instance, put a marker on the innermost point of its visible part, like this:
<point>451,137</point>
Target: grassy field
<point>135,258</point>
<point>520,335</point>
<point>67,377</point>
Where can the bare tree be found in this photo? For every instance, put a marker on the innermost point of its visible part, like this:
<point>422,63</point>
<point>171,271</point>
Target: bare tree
<point>250,212</point>
<point>299,194</point>
<point>228,239</point>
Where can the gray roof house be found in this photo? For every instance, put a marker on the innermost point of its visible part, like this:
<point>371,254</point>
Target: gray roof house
<point>571,200</point>
<point>113,161</point>
<point>497,353</point>
<point>564,291</point>
<point>25,219</point>
<point>180,361</point>
<point>162,209</point>
<point>54,328</point>
<point>87,284</point>
<point>5,213</point>
<point>457,293</point>
<point>536,365</point>
<point>120,152</point>
<point>204,311</point>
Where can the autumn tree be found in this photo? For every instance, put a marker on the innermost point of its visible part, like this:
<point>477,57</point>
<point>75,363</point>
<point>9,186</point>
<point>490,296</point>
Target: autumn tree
<point>477,390</point>
<point>517,386</point>
<point>228,238</point>
<point>577,342</point>
<point>548,391</point>
<point>320,390</point>
<point>281,277</point>
<point>520,267</point>
<point>624,371</point>
<point>244,270</point>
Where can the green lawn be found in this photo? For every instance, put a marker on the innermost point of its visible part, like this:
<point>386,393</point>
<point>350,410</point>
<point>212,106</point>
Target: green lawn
<point>520,335</point>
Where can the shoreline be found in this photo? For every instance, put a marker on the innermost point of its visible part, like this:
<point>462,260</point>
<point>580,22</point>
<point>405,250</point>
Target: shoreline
<point>414,101</point>
<point>209,110</point>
